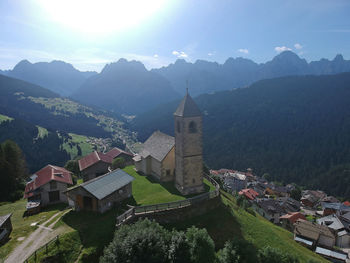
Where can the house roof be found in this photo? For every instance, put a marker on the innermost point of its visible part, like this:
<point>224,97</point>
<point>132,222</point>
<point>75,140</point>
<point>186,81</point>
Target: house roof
<point>330,199</point>
<point>335,206</point>
<point>311,230</point>
<point>93,158</point>
<point>347,203</point>
<point>4,218</point>
<point>270,206</point>
<point>249,193</point>
<point>331,221</point>
<point>187,108</point>
<point>158,146</point>
<point>45,175</point>
<point>115,152</point>
<point>104,185</point>
<point>293,217</point>
<point>331,253</point>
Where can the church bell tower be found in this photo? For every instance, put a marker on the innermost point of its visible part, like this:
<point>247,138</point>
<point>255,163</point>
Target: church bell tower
<point>188,147</point>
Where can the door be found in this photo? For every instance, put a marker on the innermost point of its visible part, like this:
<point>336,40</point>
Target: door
<point>54,196</point>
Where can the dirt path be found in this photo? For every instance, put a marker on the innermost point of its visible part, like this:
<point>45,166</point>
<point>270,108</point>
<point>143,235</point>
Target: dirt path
<point>35,240</point>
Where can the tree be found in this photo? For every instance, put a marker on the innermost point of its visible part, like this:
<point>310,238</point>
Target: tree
<point>179,251</point>
<point>73,166</point>
<point>296,193</point>
<point>118,163</point>
<point>273,255</point>
<point>238,250</point>
<point>12,171</point>
<point>145,241</point>
<point>202,247</point>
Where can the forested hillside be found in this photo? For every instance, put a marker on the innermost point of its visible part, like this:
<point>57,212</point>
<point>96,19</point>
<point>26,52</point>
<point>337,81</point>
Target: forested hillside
<point>294,128</point>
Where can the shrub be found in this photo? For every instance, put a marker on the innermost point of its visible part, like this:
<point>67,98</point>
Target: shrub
<point>202,247</point>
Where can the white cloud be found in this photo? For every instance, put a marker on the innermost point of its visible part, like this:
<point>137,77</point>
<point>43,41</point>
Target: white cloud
<point>210,54</point>
<point>155,56</point>
<point>243,50</point>
<point>298,46</point>
<point>180,54</point>
<point>281,49</point>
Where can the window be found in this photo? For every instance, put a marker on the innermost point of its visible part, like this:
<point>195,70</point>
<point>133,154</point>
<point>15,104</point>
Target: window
<point>178,126</point>
<point>193,181</point>
<point>192,127</point>
<point>167,172</point>
<point>53,185</point>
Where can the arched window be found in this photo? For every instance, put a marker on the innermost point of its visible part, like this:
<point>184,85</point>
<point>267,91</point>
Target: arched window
<point>192,127</point>
<point>178,126</point>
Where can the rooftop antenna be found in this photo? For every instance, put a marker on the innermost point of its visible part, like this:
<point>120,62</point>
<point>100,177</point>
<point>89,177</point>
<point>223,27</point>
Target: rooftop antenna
<point>187,87</point>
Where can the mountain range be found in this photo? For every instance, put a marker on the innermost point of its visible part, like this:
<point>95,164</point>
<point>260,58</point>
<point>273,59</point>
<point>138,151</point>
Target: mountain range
<point>58,76</point>
<point>295,128</point>
<point>207,77</point>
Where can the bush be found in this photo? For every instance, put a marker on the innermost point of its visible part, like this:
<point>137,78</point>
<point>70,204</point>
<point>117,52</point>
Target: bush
<point>118,163</point>
<point>238,250</point>
<point>273,255</point>
<point>202,247</point>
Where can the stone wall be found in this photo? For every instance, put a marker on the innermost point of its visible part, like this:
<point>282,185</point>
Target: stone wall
<point>45,189</point>
<point>98,168</point>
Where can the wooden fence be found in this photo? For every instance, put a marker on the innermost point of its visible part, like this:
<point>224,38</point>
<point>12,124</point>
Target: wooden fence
<point>146,209</point>
<point>46,247</point>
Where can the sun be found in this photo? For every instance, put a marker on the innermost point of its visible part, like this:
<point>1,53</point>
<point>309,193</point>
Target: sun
<point>100,16</point>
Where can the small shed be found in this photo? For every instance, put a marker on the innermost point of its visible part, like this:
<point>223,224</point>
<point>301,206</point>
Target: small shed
<point>101,193</point>
<point>5,227</point>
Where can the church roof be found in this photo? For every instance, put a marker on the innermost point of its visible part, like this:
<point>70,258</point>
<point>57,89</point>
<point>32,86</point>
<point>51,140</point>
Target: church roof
<point>158,146</point>
<point>187,108</point>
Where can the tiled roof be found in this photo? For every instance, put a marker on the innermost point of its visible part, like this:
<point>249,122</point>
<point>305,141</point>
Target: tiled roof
<point>45,175</point>
<point>93,158</point>
<point>293,217</point>
<point>311,230</point>
<point>115,152</point>
<point>335,206</point>
<point>187,108</point>
<point>158,146</point>
<point>249,193</point>
<point>104,185</point>
<point>331,221</point>
<point>347,203</point>
<point>4,218</point>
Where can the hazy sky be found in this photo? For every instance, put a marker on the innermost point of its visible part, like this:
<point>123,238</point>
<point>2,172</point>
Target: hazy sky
<point>90,34</point>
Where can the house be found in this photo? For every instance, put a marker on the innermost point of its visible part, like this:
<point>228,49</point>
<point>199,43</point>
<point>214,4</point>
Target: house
<point>101,193</point>
<point>311,198</point>
<point>347,203</point>
<point>272,189</point>
<point>47,186</point>
<point>329,199</point>
<point>157,157</point>
<point>94,164</point>
<point>334,208</point>
<point>312,234</point>
<point>289,204</point>
<point>249,193</point>
<point>269,208</point>
<point>118,153</point>
<point>5,227</point>
<point>334,222</point>
<point>331,255</point>
<point>289,219</point>
<point>257,187</point>
<point>235,182</point>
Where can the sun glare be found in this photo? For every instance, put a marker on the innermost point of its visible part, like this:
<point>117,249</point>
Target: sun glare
<point>100,16</point>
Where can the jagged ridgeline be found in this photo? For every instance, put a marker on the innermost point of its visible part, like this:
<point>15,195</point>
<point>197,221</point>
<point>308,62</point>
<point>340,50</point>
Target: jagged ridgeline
<point>31,106</point>
<point>294,128</point>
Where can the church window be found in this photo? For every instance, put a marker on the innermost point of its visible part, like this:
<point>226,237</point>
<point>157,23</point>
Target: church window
<point>178,126</point>
<point>193,180</point>
<point>167,172</point>
<point>192,127</point>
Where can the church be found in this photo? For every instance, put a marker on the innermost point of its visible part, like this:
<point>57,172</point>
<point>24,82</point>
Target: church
<point>178,159</point>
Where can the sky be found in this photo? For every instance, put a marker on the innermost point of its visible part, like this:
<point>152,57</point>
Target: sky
<point>91,33</point>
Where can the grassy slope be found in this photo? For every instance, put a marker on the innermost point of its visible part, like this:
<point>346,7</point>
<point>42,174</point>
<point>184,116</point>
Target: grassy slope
<point>80,140</point>
<point>21,225</point>
<point>229,221</point>
<point>4,118</point>
<point>42,132</point>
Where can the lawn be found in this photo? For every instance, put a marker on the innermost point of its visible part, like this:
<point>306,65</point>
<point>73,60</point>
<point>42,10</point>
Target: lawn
<point>148,191</point>
<point>21,225</point>
<point>4,118</point>
<point>229,221</point>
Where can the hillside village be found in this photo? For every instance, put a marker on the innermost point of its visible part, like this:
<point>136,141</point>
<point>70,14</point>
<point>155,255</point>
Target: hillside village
<point>319,222</point>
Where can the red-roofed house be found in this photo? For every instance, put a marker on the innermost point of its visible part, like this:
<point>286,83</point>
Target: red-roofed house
<point>48,184</point>
<point>249,193</point>
<point>94,164</point>
<point>289,219</point>
<point>118,153</point>
<point>347,203</point>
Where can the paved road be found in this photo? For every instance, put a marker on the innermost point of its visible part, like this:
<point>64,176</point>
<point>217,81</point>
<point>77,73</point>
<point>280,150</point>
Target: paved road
<point>35,240</point>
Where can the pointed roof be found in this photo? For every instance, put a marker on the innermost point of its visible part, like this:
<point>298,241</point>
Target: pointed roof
<point>158,146</point>
<point>187,108</point>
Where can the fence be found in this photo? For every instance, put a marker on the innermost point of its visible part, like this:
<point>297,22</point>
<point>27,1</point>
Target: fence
<point>140,210</point>
<point>46,247</point>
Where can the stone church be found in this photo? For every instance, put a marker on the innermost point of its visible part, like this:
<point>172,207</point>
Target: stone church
<point>176,159</point>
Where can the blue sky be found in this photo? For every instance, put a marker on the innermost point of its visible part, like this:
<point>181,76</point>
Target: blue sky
<point>94,33</point>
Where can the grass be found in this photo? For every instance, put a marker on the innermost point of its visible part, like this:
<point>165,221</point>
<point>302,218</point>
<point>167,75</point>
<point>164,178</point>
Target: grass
<point>148,191</point>
<point>21,225</point>
<point>70,146</point>
<point>5,118</point>
<point>42,132</point>
<point>229,221</point>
